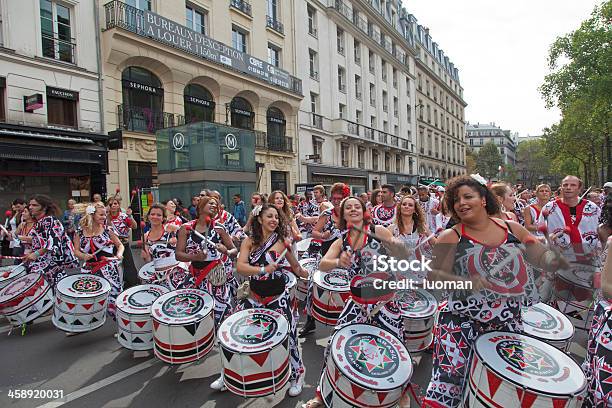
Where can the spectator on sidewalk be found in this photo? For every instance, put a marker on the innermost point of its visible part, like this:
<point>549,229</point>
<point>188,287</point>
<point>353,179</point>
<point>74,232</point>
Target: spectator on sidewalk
<point>239,210</point>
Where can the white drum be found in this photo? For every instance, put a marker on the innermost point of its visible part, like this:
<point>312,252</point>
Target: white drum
<point>255,352</point>
<point>135,330</point>
<point>81,301</point>
<point>146,274</point>
<point>310,265</point>
<point>419,309</point>
<point>515,370</point>
<point>331,291</point>
<point>25,298</point>
<point>302,246</point>
<point>10,273</point>
<point>548,324</point>
<point>183,325</point>
<point>367,367</point>
<point>576,299</point>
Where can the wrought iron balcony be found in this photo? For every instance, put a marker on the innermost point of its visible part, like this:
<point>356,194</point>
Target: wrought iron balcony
<point>145,120</point>
<point>242,5</point>
<point>275,143</point>
<point>274,24</point>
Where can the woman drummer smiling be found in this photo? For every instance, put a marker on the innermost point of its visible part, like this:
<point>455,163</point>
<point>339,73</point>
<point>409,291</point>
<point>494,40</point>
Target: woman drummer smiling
<point>355,252</point>
<point>488,252</point>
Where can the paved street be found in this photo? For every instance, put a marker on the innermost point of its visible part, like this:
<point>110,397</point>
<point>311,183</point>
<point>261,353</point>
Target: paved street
<point>93,370</point>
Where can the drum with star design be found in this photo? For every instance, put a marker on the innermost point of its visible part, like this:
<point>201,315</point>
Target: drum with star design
<point>310,265</point>
<point>418,308</point>
<point>183,325</point>
<point>26,298</point>
<point>146,274</point>
<point>255,352</point>
<point>574,295</point>
<point>331,291</point>
<point>548,324</point>
<point>367,367</point>
<point>516,370</point>
<point>134,324</point>
<point>81,301</point>
<point>10,273</point>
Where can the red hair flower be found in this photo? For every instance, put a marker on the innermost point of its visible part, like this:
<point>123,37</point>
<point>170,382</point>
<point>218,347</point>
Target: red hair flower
<point>346,191</point>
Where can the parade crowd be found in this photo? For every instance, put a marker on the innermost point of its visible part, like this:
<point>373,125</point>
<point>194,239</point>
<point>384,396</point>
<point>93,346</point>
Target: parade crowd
<point>515,245</point>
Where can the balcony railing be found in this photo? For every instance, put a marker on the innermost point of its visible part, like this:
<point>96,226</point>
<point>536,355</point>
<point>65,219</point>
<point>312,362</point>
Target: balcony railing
<point>242,5</point>
<point>145,120</point>
<point>56,48</point>
<point>275,143</point>
<point>274,24</point>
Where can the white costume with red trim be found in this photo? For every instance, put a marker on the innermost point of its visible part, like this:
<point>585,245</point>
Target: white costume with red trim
<point>581,242</point>
<point>382,215</point>
<point>427,206</point>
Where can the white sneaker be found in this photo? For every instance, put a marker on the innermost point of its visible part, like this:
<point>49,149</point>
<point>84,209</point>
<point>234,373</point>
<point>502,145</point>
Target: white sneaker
<point>296,387</point>
<point>218,384</point>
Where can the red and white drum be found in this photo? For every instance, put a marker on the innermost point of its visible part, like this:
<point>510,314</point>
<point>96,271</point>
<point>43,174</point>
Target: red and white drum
<point>331,291</point>
<point>255,352</point>
<point>310,265</point>
<point>10,273</point>
<point>146,274</point>
<point>367,367</point>
<point>419,309</point>
<point>80,303</point>
<point>548,324</point>
<point>515,370</point>
<point>575,296</point>
<point>25,298</point>
<point>135,330</point>
<point>183,325</point>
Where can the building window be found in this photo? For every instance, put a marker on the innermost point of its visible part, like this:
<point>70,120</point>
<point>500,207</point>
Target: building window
<point>396,130</point>
<point>383,70</point>
<point>312,20</point>
<point>341,79</point>
<point>358,116</point>
<point>196,18</point>
<point>62,107</point>
<point>385,127</point>
<point>56,31</point>
<point>340,41</point>
<point>372,95</point>
<point>342,111</point>
<point>408,113</point>
<point>278,180</point>
<point>143,101</point>
<point>371,61</point>
<point>317,148</point>
<point>361,157</point>
<point>314,101</point>
<point>395,107</point>
<point>385,101</point>
<point>274,55</point>
<point>394,78</point>
<point>242,113</point>
<point>276,130</point>
<point>398,164</point>
<point>312,58</point>
<point>387,162</point>
<point>199,104</point>
<point>2,94</point>
<point>239,39</point>
<point>420,82</point>
<point>373,122</point>
<point>375,160</point>
<point>344,155</point>
<point>358,87</point>
<point>357,52</point>
<point>140,5</point>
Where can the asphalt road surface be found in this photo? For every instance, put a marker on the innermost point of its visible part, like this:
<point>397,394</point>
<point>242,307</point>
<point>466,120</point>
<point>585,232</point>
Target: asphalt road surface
<point>93,370</point>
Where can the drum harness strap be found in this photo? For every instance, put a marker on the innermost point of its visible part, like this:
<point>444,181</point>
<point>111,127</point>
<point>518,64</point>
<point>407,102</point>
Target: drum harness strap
<point>200,274</point>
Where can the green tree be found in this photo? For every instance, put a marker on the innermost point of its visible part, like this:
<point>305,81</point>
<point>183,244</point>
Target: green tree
<point>488,160</point>
<point>580,85</point>
<point>533,161</point>
<point>470,161</point>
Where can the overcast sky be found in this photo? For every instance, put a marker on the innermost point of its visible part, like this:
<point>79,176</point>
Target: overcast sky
<point>500,48</point>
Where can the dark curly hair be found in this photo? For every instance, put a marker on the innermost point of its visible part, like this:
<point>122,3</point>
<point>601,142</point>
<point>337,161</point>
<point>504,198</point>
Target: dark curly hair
<point>257,229</point>
<point>452,190</point>
<point>606,212</point>
<point>47,204</point>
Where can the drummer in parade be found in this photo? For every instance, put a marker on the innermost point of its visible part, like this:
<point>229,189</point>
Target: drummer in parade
<point>429,205</point>
<point>95,243</point>
<point>265,257</point>
<point>384,213</point>
<point>206,244</point>
<point>122,222</point>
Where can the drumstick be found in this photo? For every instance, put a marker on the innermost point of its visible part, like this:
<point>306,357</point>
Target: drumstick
<point>8,214</point>
<point>424,241</point>
<point>8,273</point>
<point>585,193</point>
<point>10,257</point>
<point>204,238</point>
<point>360,230</point>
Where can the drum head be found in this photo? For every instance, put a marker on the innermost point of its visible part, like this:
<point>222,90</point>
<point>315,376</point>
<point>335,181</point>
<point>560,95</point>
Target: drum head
<point>11,271</point>
<point>310,264</point>
<point>302,246</point>
<point>579,274</point>
<point>182,306</point>
<point>138,299</point>
<point>417,304</point>
<point>83,285</point>
<point>371,357</point>
<point>335,280</point>
<point>147,271</point>
<point>18,286</point>
<point>530,363</point>
<point>253,330</point>
<point>543,321</point>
